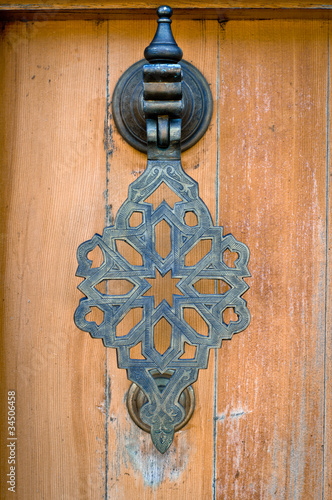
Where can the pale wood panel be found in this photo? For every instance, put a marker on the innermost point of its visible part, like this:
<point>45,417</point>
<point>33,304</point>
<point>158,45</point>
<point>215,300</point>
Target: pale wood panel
<point>273,197</point>
<point>136,468</point>
<point>52,200</point>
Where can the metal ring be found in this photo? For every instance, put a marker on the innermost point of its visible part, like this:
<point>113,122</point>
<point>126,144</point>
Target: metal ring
<point>136,398</point>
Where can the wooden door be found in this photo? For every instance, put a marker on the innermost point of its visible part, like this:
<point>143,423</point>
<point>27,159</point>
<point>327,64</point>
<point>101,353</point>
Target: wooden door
<point>262,423</point>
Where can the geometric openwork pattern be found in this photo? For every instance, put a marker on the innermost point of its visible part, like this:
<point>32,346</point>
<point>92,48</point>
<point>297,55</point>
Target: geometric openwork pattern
<point>163,412</point>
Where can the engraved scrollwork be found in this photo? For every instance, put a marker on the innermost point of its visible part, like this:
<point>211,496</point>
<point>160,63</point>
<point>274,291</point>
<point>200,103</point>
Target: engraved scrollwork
<point>209,306</point>
<point>162,412</point>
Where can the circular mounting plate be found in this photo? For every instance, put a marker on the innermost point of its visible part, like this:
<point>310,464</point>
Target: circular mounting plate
<point>136,399</point>
<point>128,106</point>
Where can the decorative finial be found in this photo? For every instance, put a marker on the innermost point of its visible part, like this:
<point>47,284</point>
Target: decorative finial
<point>163,48</point>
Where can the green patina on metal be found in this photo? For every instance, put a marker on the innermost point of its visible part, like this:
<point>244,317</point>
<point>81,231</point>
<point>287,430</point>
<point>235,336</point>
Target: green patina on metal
<point>163,411</point>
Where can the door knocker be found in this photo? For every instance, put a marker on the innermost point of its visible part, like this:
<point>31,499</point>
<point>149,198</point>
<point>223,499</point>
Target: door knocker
<point>162,106</point>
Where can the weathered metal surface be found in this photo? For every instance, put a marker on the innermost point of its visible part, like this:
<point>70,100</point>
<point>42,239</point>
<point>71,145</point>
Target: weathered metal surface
<point>163,411</point>
<point>136,399</point>
<point>128,111</point>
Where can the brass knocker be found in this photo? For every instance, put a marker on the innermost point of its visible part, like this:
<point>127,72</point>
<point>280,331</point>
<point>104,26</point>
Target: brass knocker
<point>163,106</point>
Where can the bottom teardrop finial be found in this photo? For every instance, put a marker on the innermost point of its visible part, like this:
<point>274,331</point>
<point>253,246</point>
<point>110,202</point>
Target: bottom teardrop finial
<point>162,438</point>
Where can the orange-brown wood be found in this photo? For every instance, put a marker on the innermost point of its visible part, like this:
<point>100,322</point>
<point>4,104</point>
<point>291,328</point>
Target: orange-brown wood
<point>328,322</point>
<point>53,180</point>
<point>135,466</point>
<point>194,9</point>
<point>48,5</point>
<point>262,424</point>
<point>273,123</point>
<point>223,4</point>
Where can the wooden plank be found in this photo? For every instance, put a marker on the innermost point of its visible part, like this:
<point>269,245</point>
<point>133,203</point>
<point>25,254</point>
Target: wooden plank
<point>328,353</point>
<point>186,4</point>
<point>52,188</point>
<point>136,468</point>
<point>270,391</point>
<point>225,10</point>
<point>273,197</point>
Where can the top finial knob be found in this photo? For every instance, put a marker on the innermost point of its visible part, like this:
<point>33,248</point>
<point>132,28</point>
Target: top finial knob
<point>163,48</point>
<point>164,11</point>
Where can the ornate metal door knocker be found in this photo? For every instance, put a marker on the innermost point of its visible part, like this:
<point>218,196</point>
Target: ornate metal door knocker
<point>161,107</point>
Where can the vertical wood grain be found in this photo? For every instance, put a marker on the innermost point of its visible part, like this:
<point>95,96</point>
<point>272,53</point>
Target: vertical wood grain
<point>53,178</point>
<point>328,353</point>
<point>66,171</point>
<point>136,468</point>
<point>273,197</point>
